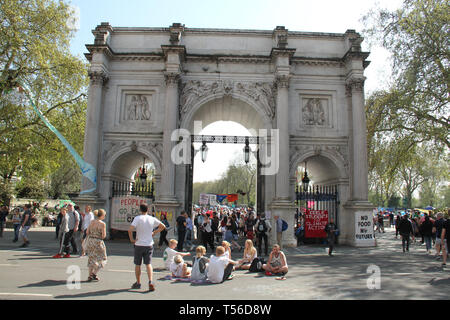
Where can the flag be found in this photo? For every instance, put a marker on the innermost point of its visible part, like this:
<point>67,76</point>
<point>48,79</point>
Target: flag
<point>232,197</point>
<point>221,197</point>
<point>87,169</point>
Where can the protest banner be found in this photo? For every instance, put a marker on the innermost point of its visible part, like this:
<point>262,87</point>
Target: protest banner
<point>315,222</point>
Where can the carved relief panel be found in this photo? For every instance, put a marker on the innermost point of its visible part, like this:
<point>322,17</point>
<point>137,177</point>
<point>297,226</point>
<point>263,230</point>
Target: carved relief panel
<point>316,111</point>
<point>136,109</point>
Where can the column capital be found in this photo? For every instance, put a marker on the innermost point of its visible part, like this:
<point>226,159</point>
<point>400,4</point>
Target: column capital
<point>282,81</point>
<point>171,78</point>
<point>98,77</point>
<point>354,84</point>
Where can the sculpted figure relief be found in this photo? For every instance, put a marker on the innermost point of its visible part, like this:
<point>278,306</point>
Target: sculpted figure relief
<point>314,113</point>
<point>138,109</point>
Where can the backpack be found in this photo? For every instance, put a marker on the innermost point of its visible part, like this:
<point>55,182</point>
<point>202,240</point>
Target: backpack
<point>262,227</point>
<point>284,225</point>
<point>257,265</point>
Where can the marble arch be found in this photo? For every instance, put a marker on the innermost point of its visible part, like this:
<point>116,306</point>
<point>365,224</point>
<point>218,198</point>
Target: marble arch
<point>309,86</point>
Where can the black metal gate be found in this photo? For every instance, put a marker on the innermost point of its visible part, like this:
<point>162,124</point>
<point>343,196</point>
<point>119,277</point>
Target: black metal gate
<point>318,197</point>
<point>143,189</point>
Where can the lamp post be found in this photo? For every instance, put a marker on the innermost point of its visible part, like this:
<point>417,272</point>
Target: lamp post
<point>247,151</point>
<point>305,180</point>
<point>204,151</point>
<point>143,175</point>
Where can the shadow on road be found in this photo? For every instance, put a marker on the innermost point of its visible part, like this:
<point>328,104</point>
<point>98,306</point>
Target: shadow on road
<point>48,283</point>
<point>98,293</point>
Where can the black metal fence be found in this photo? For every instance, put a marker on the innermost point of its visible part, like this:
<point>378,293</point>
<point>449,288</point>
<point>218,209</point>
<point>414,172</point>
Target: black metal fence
<point>143,189</point>
<point>318,197</point>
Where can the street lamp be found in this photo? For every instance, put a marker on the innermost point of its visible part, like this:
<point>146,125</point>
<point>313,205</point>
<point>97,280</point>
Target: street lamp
<point>143,175</point>
<point>305,180</point>
<point>204,151</point>
<point>247,151</point>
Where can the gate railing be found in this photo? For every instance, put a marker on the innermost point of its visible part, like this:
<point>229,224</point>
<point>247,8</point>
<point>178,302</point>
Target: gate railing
<point>143,189</point>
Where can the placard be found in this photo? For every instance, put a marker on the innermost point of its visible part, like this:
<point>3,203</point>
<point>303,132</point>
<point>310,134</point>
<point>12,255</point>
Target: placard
<point>364,229</point>
<point>315,222</point>
<point>124,209</point>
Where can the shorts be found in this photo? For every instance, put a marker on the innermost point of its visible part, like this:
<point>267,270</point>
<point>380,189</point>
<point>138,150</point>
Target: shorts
<point>438,241</point>
<point>235,237</point>
<point>142,253</point>
<point>24,231</point>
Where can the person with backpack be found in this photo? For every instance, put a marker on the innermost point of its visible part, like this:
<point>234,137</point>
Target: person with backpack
<point>262,228</point>
<point>199,264</point>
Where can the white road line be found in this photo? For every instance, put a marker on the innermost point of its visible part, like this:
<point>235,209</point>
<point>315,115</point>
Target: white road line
<point>25,294</point>
<point>9,265</point>
<point>128,271</point>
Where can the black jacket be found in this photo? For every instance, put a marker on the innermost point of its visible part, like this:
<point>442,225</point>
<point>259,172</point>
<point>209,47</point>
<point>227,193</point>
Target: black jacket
<point>405,226</point>
<point>426,228</point>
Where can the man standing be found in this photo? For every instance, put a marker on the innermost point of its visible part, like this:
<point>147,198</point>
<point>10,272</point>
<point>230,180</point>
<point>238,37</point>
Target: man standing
<point>405,228</point>
<point>189,228</point>
<point>445,238</point>
<point>181,229</point>
<point>74,220</point>
<point>331,229</point>
<point>144,226</point>
<point>279,228</point>
<point>26,225</point>
<point>88,217</point>
<point>262,228</point>
<point>438,225</point>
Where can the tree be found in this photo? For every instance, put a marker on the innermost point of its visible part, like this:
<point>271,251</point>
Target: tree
<point>34,50</point>
<point>417,37</point>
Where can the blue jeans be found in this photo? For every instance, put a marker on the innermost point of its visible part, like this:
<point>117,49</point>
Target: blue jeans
<point>16,232</point>
<point>188,237</point>
<point>427,242</point>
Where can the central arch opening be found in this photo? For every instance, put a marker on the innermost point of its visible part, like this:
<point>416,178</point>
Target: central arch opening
<point>225,170</point>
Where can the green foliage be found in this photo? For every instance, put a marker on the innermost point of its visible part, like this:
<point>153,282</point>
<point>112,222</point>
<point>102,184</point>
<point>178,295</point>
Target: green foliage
<point>34,47</point>
<point>408,124</point>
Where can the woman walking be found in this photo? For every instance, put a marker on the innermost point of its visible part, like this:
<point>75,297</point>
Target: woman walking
<point>95,247</point>
<point>16,223</point>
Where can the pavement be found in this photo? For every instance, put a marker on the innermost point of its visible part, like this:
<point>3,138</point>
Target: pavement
<point>379,273</point>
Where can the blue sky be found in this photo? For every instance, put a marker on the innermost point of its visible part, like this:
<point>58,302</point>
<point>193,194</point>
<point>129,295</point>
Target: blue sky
<point>334,16</point>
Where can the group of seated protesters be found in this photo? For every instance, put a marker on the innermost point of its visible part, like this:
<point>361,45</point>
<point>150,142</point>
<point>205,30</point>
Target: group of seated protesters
<point>219,267</point>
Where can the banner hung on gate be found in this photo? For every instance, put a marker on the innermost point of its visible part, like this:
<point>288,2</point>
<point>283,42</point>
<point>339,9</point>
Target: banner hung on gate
<point>124,209</point>
<point>315,222</point>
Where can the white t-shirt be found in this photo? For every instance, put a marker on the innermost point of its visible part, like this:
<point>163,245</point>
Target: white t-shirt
<point>177,269</point>
<point>88,218</point>
<point>168,256</point>
<point>144,225</point>
<point>216,268</point>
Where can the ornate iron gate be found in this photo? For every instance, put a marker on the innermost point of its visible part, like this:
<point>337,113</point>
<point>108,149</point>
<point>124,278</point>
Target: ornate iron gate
<point>318,197</point>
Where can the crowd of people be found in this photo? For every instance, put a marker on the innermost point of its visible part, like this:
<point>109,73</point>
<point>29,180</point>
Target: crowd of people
<point>431,230</point>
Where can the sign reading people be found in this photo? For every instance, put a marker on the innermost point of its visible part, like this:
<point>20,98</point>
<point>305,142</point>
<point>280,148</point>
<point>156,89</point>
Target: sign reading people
<point>315,222</point>
<point>124,209</point>
<point>364,229</point>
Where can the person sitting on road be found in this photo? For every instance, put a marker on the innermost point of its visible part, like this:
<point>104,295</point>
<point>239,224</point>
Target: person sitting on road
<point>227,247</point>
<point>179,269</point>
<point>277,263</point>
<point>199,264</point>
<point>170,253</point>
<point>249,255</point>
<point>220,267</point>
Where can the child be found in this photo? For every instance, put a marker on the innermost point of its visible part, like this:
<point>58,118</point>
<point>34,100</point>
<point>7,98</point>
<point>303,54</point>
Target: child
<point>200,264</point>
<point>220,267</point>
<point>226,246</point>
<point>179,269</point>
<point>249,255</point>
<point>170,253</point>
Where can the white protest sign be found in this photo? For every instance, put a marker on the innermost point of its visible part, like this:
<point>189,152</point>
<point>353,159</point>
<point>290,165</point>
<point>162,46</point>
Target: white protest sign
<point>364,234</point>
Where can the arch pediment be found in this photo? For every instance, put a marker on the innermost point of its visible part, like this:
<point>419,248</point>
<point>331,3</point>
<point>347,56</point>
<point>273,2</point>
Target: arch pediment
<point>196,93</point>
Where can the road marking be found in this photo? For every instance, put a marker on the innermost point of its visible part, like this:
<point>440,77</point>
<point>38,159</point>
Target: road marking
<point>25,294</point>
<point>128,271</point>
<point>9,265</point>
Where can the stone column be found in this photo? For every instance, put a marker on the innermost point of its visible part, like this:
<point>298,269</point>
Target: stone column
<point>170,124</point>
<point>355,87</point>
<point>92,134</point>
<point>282,179</point>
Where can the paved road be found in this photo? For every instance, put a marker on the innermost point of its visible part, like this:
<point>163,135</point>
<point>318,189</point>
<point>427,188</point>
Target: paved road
<point>31,273</point>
